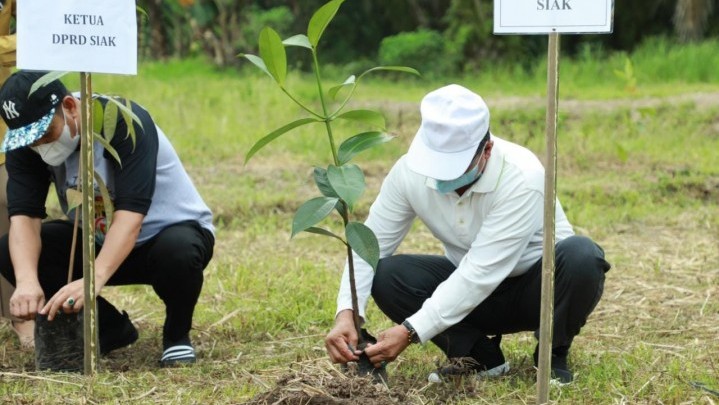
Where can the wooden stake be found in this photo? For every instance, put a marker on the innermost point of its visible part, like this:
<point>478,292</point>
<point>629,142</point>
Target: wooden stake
<point>550,197</point>
<point>87,164</point>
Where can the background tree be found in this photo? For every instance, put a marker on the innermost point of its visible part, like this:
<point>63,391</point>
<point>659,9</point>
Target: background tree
<point>691,18</point>
<point>220,29</point>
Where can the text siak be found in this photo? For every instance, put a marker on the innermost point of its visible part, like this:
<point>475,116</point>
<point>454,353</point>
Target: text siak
<point>553,5</point>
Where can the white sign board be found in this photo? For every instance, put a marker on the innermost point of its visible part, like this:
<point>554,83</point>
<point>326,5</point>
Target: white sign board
<point>547,16</point>
<point>97,36</point>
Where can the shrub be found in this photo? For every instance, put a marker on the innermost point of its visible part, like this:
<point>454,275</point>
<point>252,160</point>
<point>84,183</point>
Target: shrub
<point>423,49</point>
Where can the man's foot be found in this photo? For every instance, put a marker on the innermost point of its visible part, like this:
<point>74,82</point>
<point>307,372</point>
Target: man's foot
<point>466,366</point>
<point>177,353</point>
<point>486,361</point>
<point>117,335</point>
<point>25,331</point>
<point>561,374</point>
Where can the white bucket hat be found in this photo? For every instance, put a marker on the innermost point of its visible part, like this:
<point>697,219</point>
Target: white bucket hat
<point>454,122</point>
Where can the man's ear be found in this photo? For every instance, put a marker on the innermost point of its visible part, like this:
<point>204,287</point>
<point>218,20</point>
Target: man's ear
<point>488,148</point>
<point>69,103</point>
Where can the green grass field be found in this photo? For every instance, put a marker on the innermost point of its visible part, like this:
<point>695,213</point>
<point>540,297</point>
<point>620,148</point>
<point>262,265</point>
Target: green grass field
<point>637,171</point>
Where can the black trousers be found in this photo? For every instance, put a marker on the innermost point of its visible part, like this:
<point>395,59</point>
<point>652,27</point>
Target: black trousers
<point>172,262</point>
<point>403,282</point>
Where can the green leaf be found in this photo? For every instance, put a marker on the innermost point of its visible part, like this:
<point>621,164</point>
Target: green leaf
<point>74,198</point>
<point>347,181</point>
<point>275,134</point>
<point>142,11</point>
<point>349,82</point>
<point>622,152</point>
<point>320,20</point>
<point>323,184</point>
<point>257,61</point>
<point>108,147</point>
<point>98,116</point>
<point>368,117</point>
<point>47,78</point>
<point>298,40</point>
<point>126,108</point>
<point>312,212</point>
<point>360,142</point>
<point>320,231</point>
<point>106,200</point>
<point>128,123</point>
<point>110,121</point>
<point>363,241</point>
<point>273,54</point>
<point>404,69</point>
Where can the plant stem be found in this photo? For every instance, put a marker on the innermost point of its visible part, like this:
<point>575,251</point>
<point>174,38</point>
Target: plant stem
<point>324,108</point>
<point>300,104</point>
<point>347,99</point>
<point>353,290</point>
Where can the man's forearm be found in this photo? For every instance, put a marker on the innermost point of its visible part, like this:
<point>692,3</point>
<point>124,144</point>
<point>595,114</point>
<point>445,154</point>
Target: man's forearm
<point>119,242</point>
<point>25,244</point>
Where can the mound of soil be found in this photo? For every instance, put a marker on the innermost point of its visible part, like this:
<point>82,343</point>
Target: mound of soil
<point>329,390</point>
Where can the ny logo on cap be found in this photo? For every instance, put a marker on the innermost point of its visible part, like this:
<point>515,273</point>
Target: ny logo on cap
<point>10,111</point>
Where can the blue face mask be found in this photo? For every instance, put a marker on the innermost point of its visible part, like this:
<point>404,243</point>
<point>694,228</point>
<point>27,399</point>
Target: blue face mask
<point>447,186</point>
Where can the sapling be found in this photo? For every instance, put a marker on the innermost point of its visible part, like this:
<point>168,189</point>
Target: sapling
<point>341,183</point>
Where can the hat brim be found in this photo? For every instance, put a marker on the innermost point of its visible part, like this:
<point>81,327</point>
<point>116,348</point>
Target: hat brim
<point>438,165</point>
<point>24,136</point>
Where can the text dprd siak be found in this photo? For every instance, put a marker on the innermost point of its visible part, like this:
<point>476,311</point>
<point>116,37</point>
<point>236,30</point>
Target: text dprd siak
<point>80,39</point>
<point>92,40</point>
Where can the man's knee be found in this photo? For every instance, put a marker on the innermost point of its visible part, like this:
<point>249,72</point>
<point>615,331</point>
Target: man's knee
<point>582,258</point>
<point>182,249</point>
<point>382,281</point>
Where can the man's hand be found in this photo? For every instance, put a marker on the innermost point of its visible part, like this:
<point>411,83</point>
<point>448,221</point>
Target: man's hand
<point>68,299</point>
<point>27,300</point>
<point>341,342</point>
<point>389,345</point>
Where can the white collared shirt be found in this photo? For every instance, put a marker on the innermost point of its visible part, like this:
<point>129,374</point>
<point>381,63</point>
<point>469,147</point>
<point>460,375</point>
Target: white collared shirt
<point>491,232</point>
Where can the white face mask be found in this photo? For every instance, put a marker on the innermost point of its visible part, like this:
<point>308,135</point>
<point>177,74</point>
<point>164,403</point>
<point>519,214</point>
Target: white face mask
<point>55,153</point>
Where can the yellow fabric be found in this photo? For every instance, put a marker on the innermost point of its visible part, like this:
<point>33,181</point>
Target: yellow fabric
<point>8,45</point>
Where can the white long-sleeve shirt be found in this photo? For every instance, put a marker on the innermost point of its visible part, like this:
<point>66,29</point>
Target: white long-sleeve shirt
<point>491,232</point>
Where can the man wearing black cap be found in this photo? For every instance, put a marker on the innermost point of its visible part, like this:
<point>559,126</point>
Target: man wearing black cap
<point>482,197</point>
<point>161,232</point>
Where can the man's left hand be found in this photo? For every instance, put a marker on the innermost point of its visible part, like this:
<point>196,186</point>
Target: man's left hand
<point>68,299</point>
<point>389,345</point>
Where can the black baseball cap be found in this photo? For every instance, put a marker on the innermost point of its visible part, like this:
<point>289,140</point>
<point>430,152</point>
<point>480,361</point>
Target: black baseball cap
<point>27,117</point>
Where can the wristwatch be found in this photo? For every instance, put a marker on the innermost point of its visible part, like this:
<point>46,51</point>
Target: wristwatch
<point>412,336</point>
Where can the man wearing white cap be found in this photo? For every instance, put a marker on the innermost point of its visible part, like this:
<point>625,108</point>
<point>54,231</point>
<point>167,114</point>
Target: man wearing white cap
<point>482,197</point>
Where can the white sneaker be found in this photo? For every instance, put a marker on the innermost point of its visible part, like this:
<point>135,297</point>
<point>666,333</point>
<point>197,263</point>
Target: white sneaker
<point>463,367</point>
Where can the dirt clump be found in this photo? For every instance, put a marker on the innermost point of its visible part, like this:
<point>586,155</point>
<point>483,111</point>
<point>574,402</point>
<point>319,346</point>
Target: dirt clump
<point>304,389</point>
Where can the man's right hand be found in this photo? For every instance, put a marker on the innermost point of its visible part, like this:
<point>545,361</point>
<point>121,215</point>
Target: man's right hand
<point>27,300</point>
<point>341,338</point>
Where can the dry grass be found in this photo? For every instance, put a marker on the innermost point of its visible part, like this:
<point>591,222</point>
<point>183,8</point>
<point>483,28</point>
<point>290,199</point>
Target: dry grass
<point>268,301</point>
